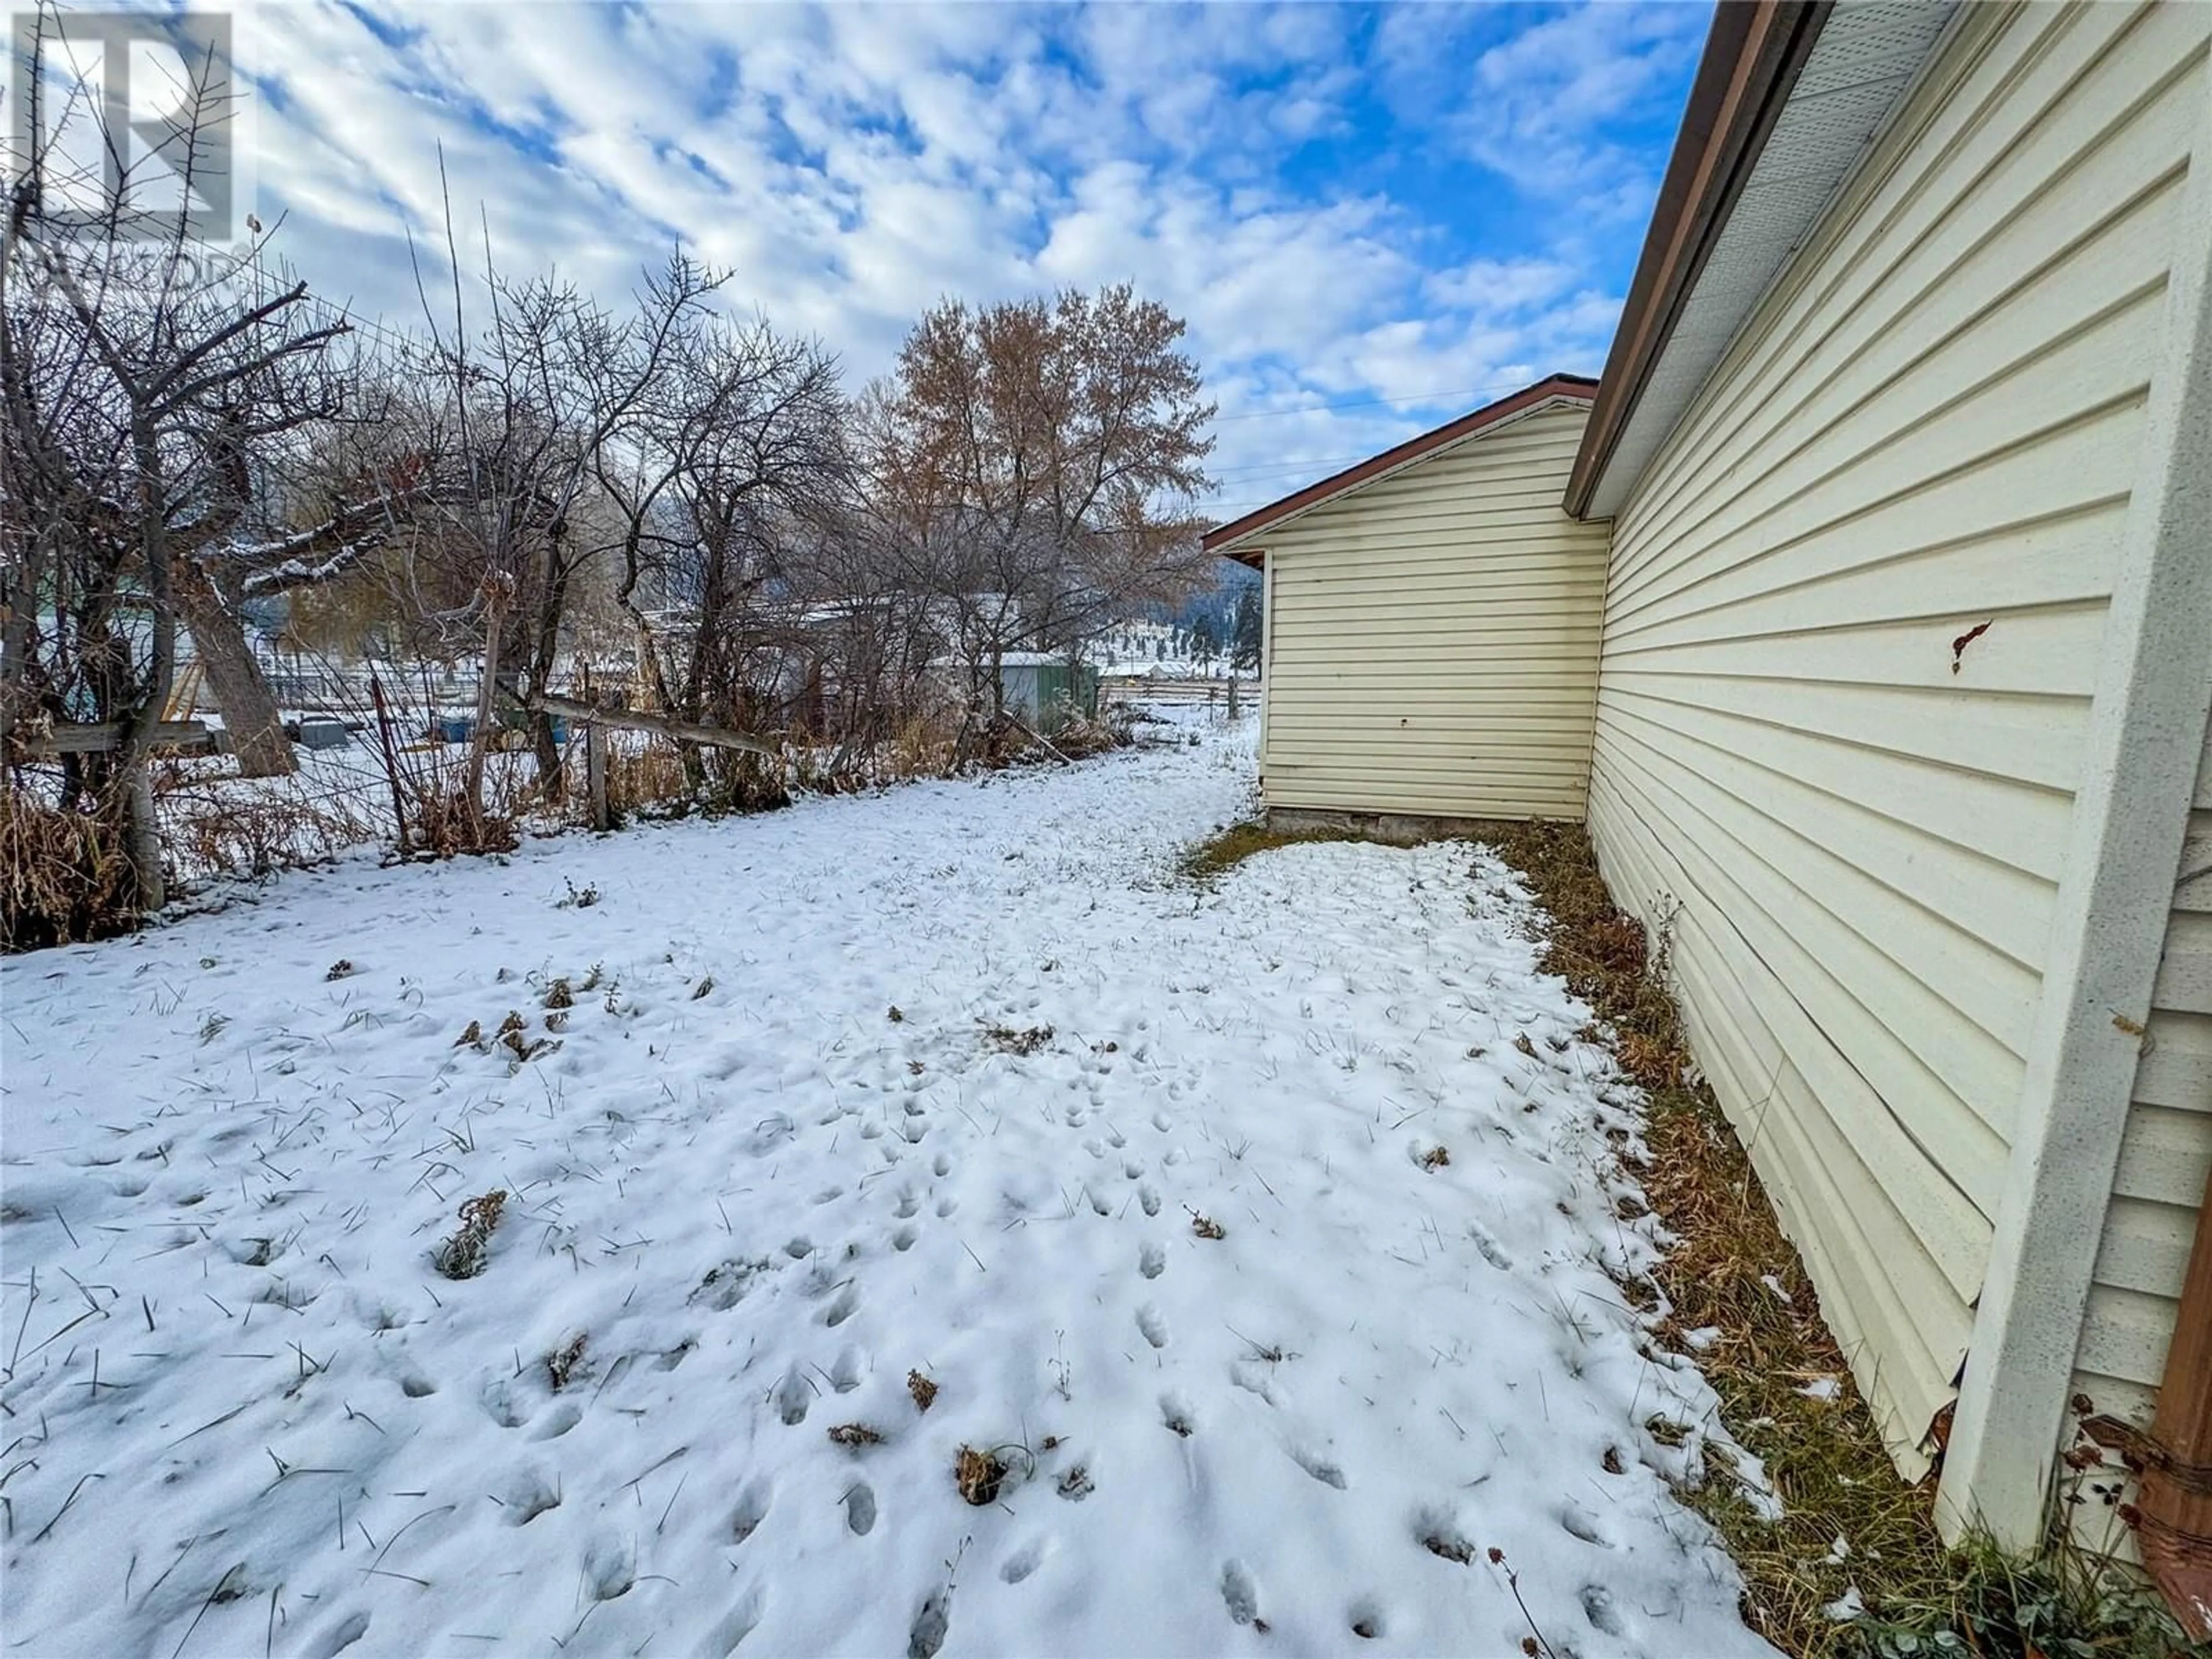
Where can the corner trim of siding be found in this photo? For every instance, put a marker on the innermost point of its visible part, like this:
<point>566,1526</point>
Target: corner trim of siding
<point>2145,738</point>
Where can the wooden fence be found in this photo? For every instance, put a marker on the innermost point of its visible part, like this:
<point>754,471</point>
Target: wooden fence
<point>1174,690</point>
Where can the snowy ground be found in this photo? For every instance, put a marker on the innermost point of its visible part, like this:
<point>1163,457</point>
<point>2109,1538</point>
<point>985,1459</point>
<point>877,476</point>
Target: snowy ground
<point>773,1159</point>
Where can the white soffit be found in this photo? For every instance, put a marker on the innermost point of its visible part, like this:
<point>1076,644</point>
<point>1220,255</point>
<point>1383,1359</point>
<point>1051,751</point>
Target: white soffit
<point>1869,54</point>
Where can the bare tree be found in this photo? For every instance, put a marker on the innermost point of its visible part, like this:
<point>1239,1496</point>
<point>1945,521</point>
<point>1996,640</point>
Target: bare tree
<point>530,406</point>
<point>137,378</point>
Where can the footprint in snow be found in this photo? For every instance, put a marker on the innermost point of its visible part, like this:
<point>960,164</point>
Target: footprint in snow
<point>1237,1593</point>
<point>1366,1618</point>
<point>1153,1325</point>
<point>1583,1526</point>
<point>842,1309</point>
<point>1599,1608</point>
<point>1318,1466</point>
<point>751,1510</point>
<point>558,1421</point>
<point>1149,1198</point>
<point>1152,1262</point>
<point>942,1166</point>
<point>799,1247</point>
<point>907,1204</point>
<point>528,1495</point>
<point>1024,1561</point>
<point>611,1568</point>
<point>1162,1122</point>
<point>1489,1249</point>
<point>861,1509</point>
<point>930,1626</point>
<point>338,1637</point>
<point>845,1375</point>
<point>902,1240</point>
<point>793,1396</point>
<point>737,1624</point>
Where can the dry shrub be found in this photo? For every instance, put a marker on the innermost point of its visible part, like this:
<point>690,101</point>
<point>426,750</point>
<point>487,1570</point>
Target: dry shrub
<point>921,747</point>
<point>1084,736</point>
<point>855,1434</point>
<point>1206,1226</point>
<point>443,823</point>
<point>977,1474</point>
<point>923,1391</point>
<point>214,826</point>
<point>642,779</point>
<point>63,877</point>
<point>462,1256</point>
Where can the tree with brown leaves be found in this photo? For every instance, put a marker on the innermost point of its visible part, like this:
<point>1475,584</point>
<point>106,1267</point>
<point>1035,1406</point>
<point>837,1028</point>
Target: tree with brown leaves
<point>1037,464</point>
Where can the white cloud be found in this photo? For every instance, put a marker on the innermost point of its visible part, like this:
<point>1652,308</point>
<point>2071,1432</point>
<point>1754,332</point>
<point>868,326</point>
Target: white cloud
<point>851,164</point>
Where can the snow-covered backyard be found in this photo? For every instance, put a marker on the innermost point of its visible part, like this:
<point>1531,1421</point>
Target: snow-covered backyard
<point>955,1081</point>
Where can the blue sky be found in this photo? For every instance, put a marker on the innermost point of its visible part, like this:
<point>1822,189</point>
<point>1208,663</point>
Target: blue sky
<point>1410,208</point>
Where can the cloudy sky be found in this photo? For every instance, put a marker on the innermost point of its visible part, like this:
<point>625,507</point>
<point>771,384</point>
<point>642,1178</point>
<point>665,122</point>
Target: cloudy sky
<point>1372,219</point>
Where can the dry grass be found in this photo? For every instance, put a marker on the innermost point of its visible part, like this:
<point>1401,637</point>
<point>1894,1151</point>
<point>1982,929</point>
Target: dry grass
<point>855,1434</point>
<point>1209,859</point>
<point>923,1391</point>
<point>462,1256</point>
<point>977,1474</point>
<point>63,877</point>
<point>1009,1039</point>
<point>1206,1226</point>
<point>1824,1456</point>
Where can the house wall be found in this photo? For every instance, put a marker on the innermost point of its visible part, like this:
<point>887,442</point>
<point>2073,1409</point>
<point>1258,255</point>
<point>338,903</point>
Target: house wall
<point>1432,637</point>
<point>1852,635</point>
<point>2165,1155</point>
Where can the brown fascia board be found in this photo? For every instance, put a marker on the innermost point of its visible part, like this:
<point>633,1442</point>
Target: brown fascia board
<point>1218,539</point>
<point>1752,58</point>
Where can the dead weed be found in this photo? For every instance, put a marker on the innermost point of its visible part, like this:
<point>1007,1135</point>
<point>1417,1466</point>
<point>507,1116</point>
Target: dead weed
<point>462,1256</point>
<point>977,1474</point>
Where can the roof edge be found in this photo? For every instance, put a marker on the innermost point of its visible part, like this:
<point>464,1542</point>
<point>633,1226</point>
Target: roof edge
<point>1752,58</point>
<point>1224,539</point>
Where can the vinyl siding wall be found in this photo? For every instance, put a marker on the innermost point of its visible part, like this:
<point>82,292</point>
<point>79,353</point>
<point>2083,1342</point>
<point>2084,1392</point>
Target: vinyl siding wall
<point>2165,1157</point>
<point>1433,636</point>
<point>1848,817</point>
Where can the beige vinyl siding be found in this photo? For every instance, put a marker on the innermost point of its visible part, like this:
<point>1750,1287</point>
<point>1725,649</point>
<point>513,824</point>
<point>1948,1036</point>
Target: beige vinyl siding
<point>2165,1155</point>
<point>1433,636</point>
<point>1848,817</point>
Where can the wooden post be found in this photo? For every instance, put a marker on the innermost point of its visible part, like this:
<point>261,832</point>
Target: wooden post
<point>595,773</point>
<point>391,759</point>
<point>1232,696</point>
